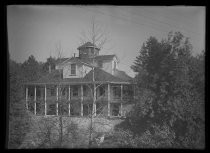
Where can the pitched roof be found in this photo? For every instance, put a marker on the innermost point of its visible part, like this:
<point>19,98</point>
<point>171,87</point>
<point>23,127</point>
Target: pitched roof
<point>87,44</point>
<point>105,57</point>
<point>122,75</point>
<point>100,76</point>
<point>61,60</point>
<point>88,61</point>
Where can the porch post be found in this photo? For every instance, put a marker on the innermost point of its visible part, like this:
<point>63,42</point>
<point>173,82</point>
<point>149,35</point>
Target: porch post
<point>121,109</point>
<point>94,97</point>
<point>26,97</point>
<point>69,99</point>
<point>57,93</point>
<point>35,99</point>
<point>45,98</point>
<point>57,108</point>
<point>121,92</point>
<point>69,92</point>
<point>108,99</point>
<point>121,87</point>
<point>69,109</point>
<point>81,100</point>
<point>57,100</point>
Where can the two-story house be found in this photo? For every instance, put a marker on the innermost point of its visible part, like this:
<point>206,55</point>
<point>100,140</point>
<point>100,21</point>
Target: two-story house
<point>77,82</point>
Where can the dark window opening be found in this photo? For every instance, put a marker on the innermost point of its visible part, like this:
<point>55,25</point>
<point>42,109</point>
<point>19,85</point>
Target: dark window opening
<point>39,108</point>
<point>87,109</point>
<point>31,106</point>
<point>85,91</point>
<point>64,92</point>
<point>117,92</point>
<point>75,109</point>
<point>75,91</point>
<point>31,91</point>
<point>115,110</point>
<point>63,109</point>
<point>101,91</point>
<point>128,92</point>
<point>51,109</point>
<point>73,69</point>
<point>53,91</point>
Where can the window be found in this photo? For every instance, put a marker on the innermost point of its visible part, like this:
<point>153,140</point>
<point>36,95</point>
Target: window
<point>101,91</point>
<point>115,109</point>
<point>85,91</point>
<point>51,110</point>
<point>64,91</point>
<point>75,91</point>
<point>30,91</point>
<point>117,92</point>
<point>52,91</point>
<point>73,69</point>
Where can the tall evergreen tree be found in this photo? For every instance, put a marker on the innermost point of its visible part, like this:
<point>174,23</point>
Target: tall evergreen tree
<point>176,80</point>
<point>31,68</point>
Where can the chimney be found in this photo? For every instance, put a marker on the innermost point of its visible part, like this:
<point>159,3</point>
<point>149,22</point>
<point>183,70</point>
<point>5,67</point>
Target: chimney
<point>74,54</point>
<point>49,68</point>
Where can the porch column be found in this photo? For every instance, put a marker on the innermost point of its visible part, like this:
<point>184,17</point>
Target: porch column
<point>69,92</point>
<point>57,93</point>
<point>121,109</point>
<point>94,97</point>
<point>45,99</point>
<point>121,89</point>
<point>121,92</point>
<point>35,100</point>
<point>57,100</point>
<point>26,97</point>
<point>108,99</point>
<point>81,100</point>
<point>69,109</point>
<point>57,108</point>
<point>69,99</point>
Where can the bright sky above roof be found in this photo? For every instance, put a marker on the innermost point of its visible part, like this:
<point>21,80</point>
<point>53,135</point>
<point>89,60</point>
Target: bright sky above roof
<point>36,30</point>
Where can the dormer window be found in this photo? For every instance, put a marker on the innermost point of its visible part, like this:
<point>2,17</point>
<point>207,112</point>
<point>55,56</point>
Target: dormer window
<point>73,69</point>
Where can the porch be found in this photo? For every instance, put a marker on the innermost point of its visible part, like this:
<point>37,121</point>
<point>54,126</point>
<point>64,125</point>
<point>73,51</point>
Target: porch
<point>77,99</point>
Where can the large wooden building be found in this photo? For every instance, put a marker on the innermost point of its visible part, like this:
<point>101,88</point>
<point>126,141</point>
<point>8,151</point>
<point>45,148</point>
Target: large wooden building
<point>80,86</point>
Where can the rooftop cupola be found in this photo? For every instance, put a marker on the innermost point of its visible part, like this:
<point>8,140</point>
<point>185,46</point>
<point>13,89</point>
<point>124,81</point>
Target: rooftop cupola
<point>87,50</point>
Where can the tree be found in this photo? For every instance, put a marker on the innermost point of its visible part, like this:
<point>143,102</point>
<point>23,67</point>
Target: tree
<point>50,62</point>
<point>98,37</point>
<point>96,34</point>
<point>31,68</point>
<point>167,69</point>
<point>18,118</point>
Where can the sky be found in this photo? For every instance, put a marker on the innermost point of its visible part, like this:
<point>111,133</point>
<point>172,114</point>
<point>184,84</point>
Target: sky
<point>38,29</point>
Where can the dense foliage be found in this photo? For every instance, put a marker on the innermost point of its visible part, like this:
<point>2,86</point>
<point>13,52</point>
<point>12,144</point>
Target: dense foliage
<point>17,114</point>
<point>18,117</point>
<point>170,107</point>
